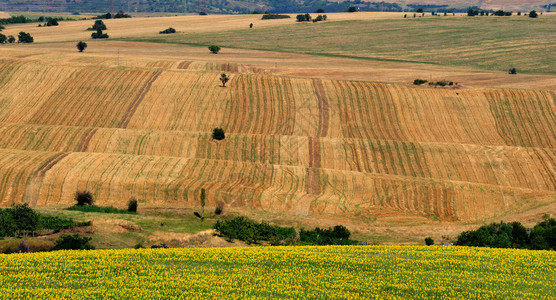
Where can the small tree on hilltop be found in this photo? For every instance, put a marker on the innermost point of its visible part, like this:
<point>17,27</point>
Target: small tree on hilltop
<point>218,134</point>
<point>81,46</point>
<point>224,78</point>
<point>214,49</point>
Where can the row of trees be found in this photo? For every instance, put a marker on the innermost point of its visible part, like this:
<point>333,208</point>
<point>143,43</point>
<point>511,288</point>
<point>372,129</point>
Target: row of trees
<point>512,235</point>
<point>251,232</point>
<point>23,37</point>
<point>308,18</point>
<point>500,13</point>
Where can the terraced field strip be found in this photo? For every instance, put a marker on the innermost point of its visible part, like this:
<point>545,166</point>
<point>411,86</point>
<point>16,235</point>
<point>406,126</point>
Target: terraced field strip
<point>114,178</point>
<point>531,168</point>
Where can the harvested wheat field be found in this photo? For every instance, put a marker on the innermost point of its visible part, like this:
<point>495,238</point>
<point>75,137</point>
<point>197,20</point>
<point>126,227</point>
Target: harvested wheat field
<point>305,138</point>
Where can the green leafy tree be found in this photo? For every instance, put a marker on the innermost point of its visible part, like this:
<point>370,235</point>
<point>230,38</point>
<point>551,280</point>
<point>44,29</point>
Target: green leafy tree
<point>3,39</point>
<point>99,35</point>
<point>7,224</point>
<point>25,37</point>
<point>81,46</point>
<point>99,25</point>
<point>224,79</point>
<point>73,242</point>
<point>25,218</point>
<point>132,205</point>
<point>83,198</point>
<point>52,22</point>
<point>11,39</point>
<point>533,14</point>
<point>429,241</point>
<point>214,49</point>
<point>218,134</point>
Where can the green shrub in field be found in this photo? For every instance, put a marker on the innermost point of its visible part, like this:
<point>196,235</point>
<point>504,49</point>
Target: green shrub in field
<point>22,219</point>
<point>7,223</point>
<point>214,49</point>
<point>419,81</point>
<point>218,134</point>
<point>339,235</point>
<point>73,242</point>
<point>244,229</point>
<point>429,241</point>
<point>83,198</point>
<point>274,16</point>
<point>25,37</point>
<point>168,31</point>
<point>132,205</point>
<point>56,223</point>
<point>99,209</point>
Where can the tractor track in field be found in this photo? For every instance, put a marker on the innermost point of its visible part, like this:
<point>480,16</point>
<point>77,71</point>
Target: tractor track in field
<point>323,106</point>
<point>141,95</point>
<point>84,144</point>
<point>34,184</point>
<point>184,65</point>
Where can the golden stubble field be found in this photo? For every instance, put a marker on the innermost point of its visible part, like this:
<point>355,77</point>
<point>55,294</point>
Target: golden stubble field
<point>322,139</point>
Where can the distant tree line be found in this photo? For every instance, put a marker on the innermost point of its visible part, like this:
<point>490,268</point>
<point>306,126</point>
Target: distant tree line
<point>119,15</point>
<point>512,235</point>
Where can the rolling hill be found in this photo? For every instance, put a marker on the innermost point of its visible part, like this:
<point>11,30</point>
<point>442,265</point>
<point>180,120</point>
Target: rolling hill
<point>129,118</point>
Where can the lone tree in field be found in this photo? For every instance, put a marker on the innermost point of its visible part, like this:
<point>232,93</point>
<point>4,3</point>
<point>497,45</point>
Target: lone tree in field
<point>218,134</point>
<point>3,38</point>
<point>25,37</point>
<point>533,14</point>
<point>214,49</point>
<point>512,71</point>
<point>99,25</point>
<point>224,78</point>
<point>81,46</point>
<point>203,199</point>
<point>11,39</point>
<point>83,198</point>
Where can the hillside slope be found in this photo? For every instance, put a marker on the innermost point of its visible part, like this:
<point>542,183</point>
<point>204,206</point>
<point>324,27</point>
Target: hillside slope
<point>323,148</point>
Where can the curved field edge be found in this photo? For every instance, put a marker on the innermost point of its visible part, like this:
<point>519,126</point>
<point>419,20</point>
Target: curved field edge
<point>482,43</point>
<point>337,272</point>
